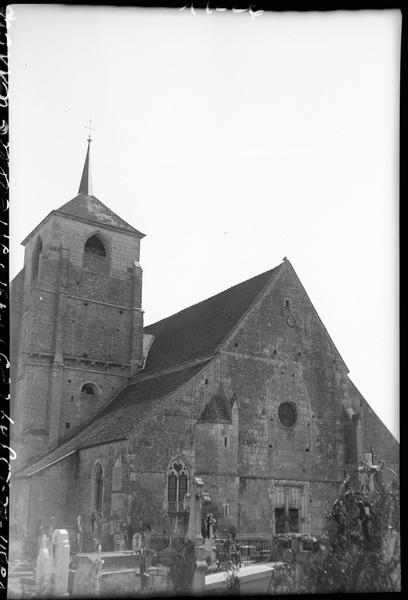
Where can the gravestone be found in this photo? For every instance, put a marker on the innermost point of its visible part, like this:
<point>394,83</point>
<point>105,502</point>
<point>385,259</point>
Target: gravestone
<point>159,581</point>
<point>137,542</point>
<point>87,581</point>
<point>60,560</point>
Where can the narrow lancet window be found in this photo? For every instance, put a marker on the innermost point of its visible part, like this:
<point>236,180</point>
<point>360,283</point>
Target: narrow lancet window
<point>177,485</point>
<point>36,260</point>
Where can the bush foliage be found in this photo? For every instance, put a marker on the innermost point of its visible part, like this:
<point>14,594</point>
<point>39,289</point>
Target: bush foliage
<point>182,566</point>
<point>360,551</point>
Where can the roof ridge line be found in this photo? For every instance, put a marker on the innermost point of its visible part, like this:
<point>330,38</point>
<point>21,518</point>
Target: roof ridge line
<point>129,230</point>
<point>210,297</point>
<point>274,276</point>
<point>179,367</point>
<point>79,448</point>
<point>111,400</point>
<point>147,416</point>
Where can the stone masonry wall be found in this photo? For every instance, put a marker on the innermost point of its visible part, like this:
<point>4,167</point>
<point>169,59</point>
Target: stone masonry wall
<point>280,353</point>
<point>169,433</point>
<point>84,321</point>
<point>50,493</point>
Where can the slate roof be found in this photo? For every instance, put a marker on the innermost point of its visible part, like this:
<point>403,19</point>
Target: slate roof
<point>92,209</point>
<point>191,334</point>
<point>198,330</point>
<point>121,417</point>
<point>217,410</point>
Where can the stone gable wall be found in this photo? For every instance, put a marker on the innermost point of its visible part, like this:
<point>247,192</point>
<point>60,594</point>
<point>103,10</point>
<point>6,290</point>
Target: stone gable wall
<point>278,354</point>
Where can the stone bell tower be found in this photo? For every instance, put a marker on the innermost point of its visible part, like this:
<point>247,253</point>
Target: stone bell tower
<point>78,322</point>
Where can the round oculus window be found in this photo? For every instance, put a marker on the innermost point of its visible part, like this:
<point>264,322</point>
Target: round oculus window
<point>287,414</point>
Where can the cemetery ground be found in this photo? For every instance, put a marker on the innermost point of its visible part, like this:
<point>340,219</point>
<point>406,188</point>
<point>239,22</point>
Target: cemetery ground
<point>359,552</point>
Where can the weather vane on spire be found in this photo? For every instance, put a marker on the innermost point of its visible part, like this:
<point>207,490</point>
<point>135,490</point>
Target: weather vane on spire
<point>90,128</point>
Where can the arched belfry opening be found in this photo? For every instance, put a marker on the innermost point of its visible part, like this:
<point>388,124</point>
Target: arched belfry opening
<point>89,391</point>
<point>35,263</point>
<point>95,246</point>
<point>96,255</point>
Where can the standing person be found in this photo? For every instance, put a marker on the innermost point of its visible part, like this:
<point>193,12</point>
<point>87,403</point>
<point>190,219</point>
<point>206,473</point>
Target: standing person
<point>143,566</point>
<point>147,532</point>
<point>145,555</point>
<point>51,527</point>
<point>43,575</point>
<point>78,535</point>
<point>129,536</point>
<point>40,531</point>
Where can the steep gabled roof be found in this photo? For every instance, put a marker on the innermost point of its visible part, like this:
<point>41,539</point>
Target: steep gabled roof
<point>121,417</point>
<point>198,330</point>
<point>92,209</point>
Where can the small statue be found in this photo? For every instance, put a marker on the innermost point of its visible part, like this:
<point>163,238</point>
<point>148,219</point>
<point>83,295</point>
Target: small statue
<point>210,522</point>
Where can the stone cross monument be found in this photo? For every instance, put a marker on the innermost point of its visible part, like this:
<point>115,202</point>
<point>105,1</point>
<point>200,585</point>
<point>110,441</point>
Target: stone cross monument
<point>194,501</point>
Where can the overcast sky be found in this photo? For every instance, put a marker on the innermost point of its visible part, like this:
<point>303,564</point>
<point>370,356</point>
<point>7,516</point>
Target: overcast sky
<point>231,140</point>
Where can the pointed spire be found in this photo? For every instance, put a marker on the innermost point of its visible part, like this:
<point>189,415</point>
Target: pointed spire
<point>85,187</point>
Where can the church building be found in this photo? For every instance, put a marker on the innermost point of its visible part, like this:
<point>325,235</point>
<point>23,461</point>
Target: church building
<point>245,389</point>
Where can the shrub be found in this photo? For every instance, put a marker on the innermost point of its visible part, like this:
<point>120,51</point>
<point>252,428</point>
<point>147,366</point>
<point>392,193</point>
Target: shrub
<point>182,566</point>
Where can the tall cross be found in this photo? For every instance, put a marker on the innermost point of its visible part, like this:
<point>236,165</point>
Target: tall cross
<point>194,502</point>
<point>90,128</point>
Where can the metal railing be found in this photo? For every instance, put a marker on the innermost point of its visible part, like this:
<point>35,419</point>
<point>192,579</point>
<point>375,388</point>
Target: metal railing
<point>255,550</point>
<point>250,550</point>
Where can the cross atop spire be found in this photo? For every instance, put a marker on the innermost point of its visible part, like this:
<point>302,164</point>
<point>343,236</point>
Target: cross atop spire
<point>85,187</point>
<point>89,128</point>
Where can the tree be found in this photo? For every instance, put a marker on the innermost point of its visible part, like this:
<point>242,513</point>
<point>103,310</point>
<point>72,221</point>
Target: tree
<point>361,549</point>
